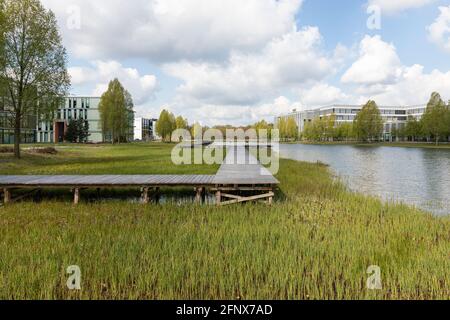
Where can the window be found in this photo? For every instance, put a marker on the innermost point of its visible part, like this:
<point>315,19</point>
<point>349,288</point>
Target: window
<point>74,103</point>
<point>70,103</point>
<point>69,116</point>
<point>85,114</point>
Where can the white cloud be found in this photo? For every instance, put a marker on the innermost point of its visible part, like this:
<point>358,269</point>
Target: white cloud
<point>292,60</point>
<point>168,30</point>
<point>379,75</point>
<point>412,88</point>
<point>439,31</point>
<point>378,62</point>
<point>322,94</point>
<point>215,114</point>
<point>394,6</point>
<point>98,75</point>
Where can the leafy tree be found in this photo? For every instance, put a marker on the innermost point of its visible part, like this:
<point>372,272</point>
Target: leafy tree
<point>282,127</point>
<point>321,129</point>
<point>33,62</point>
<point>345,131</point>
<point>435,120</point>
<point>368,122</point>
<point>166,125</point>
<point>196,130</point>
<point>313,130</point>
<point>291,129</point>
<point>77,131</point>
<point>128,128</point>
<point>263,125</point>
<point>181,123</point>
<point>115,109</point>
<point>413,129</point>
<point>330,127</point>
<point>72,132</point>
<point>83,130</point>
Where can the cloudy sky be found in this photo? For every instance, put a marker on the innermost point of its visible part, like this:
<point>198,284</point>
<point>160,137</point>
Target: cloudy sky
<point>236,62</point>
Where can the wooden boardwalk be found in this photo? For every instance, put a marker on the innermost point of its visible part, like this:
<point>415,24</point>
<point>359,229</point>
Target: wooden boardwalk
<point>105,180</point>
<point>240,172</point>
<point>242,168</point>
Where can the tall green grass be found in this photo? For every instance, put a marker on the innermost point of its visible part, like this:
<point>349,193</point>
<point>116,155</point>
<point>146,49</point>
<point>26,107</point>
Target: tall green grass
<point>315,242</point>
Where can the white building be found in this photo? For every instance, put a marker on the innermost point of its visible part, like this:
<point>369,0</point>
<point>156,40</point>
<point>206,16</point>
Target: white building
<point>394,117</point>
<point>145,129</point>
<point>74,108</point>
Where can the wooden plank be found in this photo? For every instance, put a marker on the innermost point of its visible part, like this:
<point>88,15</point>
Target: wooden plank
<point>232,196</point>
<point>246,199</point>
<point>240,167</point>
<point>24,195</point>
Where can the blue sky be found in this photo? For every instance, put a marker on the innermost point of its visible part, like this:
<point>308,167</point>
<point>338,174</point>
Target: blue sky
<point>236,62</point>
<point>345,22</point>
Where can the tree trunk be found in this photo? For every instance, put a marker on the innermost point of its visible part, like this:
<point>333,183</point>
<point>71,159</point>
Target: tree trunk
<point>17,131</point>
<point>437,140</point>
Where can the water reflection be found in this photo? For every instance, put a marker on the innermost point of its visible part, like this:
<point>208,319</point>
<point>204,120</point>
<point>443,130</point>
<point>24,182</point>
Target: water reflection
<point>416,176</point>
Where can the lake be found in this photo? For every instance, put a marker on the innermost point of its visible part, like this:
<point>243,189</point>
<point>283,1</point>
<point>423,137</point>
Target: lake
<point>416,176</point>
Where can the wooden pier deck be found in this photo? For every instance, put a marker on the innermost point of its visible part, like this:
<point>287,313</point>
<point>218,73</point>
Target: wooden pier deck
<point>240,172</point>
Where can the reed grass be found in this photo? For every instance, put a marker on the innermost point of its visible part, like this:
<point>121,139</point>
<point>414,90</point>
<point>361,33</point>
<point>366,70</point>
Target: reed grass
<point>315,242</point>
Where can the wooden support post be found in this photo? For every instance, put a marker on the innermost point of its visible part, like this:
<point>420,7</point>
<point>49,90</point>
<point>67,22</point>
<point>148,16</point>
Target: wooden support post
<point>218,197</point>
<point>145,196</point>
<point>198,194</point>
<point>38,197</point>
<point>76,196</point>
<point>203,195</point>
<point>157,195</point>
<point>7,195</point>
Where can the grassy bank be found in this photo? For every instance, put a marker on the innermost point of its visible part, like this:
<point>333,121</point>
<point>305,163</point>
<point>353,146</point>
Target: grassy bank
<point>384,144</point>
<point>315,242</point>
<point>137,158</point>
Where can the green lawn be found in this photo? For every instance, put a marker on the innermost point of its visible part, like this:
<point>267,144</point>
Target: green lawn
<point>137,158</point>
<point>315,242</point>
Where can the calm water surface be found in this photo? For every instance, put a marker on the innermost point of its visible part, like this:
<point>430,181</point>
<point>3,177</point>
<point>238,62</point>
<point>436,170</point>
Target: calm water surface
<point>416,176</point>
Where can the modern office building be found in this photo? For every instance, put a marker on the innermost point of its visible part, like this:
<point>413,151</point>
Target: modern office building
<point>28,126</point>
<point>73,108</point>
<point>145,129</point>
<point>394,117</point>
<point>41,130</point>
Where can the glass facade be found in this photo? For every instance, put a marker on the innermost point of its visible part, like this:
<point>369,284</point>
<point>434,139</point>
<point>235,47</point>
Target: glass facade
<point>28,130</point>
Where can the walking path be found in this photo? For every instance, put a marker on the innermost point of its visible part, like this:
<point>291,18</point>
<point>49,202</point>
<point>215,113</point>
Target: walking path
<point>239,172</point>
